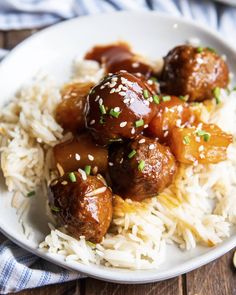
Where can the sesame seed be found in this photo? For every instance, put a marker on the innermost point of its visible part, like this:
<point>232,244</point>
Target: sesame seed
<point>110,164</point>
<point>179,108</point>
<point>100,101</point>
<point>123,124</point>
<point>112,90</point>
<point>132,130</point>
<point>151,146</point>
<point>92,122</point>
<point>113,84</point>
<point>142,140</point>
<point>97,98</point>
<point>201,148</point>
<point>90,157</point>
<point>198,139</point>
<point>202,156</point>
<point>64,182</point>
<point>77,157</point>
<point>121,160</point>
<point>166,133</point>
<point>116,109</point>
<point>122,93</point>
<point>145,126</point>
<point>135,64</point>
<point>83,174</point>
<point>138,74</point>
<point>126,100</point>
<point>102,87</point>
<point>150,82</point>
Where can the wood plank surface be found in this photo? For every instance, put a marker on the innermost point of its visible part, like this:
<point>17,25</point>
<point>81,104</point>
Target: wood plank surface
<point>216,278</point>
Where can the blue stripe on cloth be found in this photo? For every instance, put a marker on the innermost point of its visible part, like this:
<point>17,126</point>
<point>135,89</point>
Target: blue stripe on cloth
<point>18,268</point>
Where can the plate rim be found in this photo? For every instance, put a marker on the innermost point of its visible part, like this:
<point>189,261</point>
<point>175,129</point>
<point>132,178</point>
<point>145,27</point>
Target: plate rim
<point>104,273</point>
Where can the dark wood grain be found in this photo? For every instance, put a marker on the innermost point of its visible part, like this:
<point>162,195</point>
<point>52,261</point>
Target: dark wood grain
<point>13,38</point>
<point>216,278</point>
<point>170,287</point>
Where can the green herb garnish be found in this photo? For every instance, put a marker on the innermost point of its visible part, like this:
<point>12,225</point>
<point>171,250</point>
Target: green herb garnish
<point>211,49</point>
<point>216,93</point>
<point>72,177</point>
<point>131,154</point>
<point>156,99</point>
<point>114,113</point>
<point>186,140</point>
<point>30,194</point>
<point>166,98</point>
<point>139,123</point>
<point>102,109</point>
<point>145,93</point>
<point>183,97</point>
<point>102,120</point>
<point>200,49</point>
<point>87,169</point>
<point>205,135</point>
<point>55,209</point>
<point>141,165</point>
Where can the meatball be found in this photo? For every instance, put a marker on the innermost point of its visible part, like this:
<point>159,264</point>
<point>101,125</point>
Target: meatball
<point>119,56</point>
<point>141,169</point>
<point>70,111</point>
<point>119,107</point>
<point>83,204</point>
<point>194,71</point>
<point>79,152</point>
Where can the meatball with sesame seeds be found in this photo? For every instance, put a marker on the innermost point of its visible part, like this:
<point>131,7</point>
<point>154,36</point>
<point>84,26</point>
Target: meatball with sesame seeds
<point>141,169</point>
<point>119,107</point>
<point>194,71</point>
<point>83,204</point>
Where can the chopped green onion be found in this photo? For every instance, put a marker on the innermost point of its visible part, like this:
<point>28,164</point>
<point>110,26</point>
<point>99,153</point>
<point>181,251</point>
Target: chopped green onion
<point>156,99</point>
<point>131,154</point>
<point>141,165</point>
<point>114,113</point>
<point>115,140</point>
<point>186,140</point>
<point>55,209</point>
<point>72,177</point>
<point>102,120</point>
<point>166,98</point>
<point>183,97</point>
<point>145,93</point>
<point>154,79</point>
<point>102,109</point>
<point>87,169</point>
<point>139,123</point>
<point>200,49</point>
<point>207,137</point>
<point>211,49</point>
<point>216,93</point>
<point>30,194</point>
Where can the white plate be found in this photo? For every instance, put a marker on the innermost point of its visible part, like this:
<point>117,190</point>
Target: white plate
<point>229,2</point>
<point>53,49</point>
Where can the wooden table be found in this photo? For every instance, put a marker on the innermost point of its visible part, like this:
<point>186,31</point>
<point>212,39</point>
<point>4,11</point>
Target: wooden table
<point>216,278</point>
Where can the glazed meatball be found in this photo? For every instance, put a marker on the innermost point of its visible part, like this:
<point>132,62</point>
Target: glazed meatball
<point>194,71</point>
<point>119,107</point>
<point>141,169</point>
<point>79,152</point>
<point>70,111</point>
<point>83,204</point>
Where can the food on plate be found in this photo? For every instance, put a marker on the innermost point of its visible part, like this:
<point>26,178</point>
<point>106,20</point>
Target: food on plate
<point>141,169</point>
<point>119,56</point>
<point>119,108</point>
<point>132,157</point>
<point>82,203</point>
<point>70,111</point>
<point>171,111</point>
<point>194,71</point>
<point>204,143</point>
<point>78,152</point>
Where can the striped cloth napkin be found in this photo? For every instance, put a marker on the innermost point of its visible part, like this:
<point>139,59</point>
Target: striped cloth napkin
<point>18,268</point>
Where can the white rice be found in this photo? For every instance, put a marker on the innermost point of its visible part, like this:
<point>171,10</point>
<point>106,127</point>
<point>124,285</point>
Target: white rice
<point>198,208</point>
